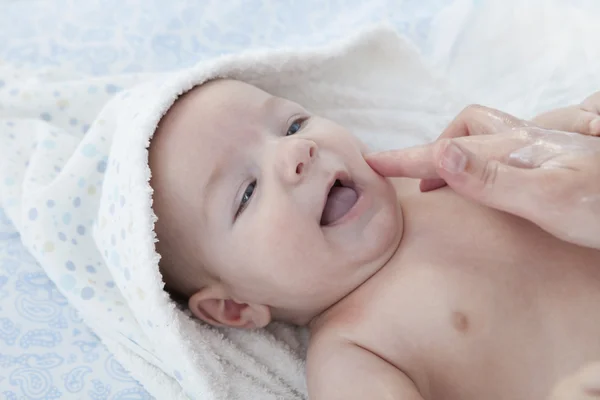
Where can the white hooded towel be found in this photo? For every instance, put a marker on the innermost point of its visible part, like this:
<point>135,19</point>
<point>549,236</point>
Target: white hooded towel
<point>74,179</point>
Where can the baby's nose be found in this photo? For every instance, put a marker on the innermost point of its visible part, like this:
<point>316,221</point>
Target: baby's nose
<point>296,159</point>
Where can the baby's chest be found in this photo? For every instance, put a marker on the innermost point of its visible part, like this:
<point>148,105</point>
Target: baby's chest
<point>474,328</point>
<point>429,311</point>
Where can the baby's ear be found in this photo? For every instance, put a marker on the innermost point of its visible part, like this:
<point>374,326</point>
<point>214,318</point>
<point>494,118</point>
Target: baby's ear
<point>212,305</point>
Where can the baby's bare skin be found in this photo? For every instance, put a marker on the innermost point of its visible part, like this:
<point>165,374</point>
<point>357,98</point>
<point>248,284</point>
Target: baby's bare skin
<point>475,304</point>
<point>409,296</point>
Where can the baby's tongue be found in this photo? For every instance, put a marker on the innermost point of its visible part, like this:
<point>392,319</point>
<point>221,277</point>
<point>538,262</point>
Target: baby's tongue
<point>339,202</point>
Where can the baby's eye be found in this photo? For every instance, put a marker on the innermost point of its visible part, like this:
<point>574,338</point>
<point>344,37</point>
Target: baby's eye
<point>246,197</point>
<point>295,126</point>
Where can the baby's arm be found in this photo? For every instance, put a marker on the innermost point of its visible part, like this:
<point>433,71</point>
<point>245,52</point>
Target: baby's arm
<point>340,370</point>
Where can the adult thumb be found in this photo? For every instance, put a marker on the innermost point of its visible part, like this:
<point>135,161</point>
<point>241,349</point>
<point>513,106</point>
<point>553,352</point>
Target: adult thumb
<point>488,181</point>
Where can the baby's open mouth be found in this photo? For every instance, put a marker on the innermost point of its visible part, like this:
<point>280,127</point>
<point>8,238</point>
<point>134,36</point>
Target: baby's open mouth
<point>340,199</point>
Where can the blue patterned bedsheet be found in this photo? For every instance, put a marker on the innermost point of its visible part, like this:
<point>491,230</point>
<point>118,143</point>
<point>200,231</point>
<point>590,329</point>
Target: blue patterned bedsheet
<point>46,352</point>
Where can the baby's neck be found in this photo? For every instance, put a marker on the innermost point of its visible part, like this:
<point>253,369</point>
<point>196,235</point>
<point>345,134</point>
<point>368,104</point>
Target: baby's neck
<point>404,187</point>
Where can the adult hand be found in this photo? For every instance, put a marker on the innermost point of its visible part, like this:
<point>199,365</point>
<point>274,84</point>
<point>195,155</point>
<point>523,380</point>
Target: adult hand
<point>551,178</point>
<point>581,118</point>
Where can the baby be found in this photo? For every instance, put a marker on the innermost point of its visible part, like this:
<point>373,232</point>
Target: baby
<point>266,212</point>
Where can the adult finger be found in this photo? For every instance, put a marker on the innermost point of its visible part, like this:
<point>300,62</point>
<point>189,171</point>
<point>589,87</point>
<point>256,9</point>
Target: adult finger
<point>480,120</point>
<point>592,105</point>
<point>577,119</point>
<point>420,161</point>
<point>474,120</point>
<point>414,162</point>
<point>491,182</point>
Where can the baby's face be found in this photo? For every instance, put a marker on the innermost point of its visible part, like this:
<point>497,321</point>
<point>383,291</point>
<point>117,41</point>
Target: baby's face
<point>248,178</point>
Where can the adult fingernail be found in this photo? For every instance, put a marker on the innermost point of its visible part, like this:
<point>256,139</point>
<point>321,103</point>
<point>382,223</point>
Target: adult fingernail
<point>454,160</point>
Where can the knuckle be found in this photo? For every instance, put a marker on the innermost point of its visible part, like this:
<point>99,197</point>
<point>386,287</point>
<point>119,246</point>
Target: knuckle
<point>472,109</point>
<point>460,124</point>
<point>489,173</point>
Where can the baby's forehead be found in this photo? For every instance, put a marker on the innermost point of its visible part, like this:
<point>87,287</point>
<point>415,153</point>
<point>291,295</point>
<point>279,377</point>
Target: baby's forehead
<point>220,111</point>
<point>206,118</point>
<point>212,119</point>
<point>220,97</point>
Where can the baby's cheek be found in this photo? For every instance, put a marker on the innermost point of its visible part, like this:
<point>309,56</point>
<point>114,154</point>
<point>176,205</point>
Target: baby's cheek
<point>282,224</point>
<point>272,239</point>
<point>387,228</point>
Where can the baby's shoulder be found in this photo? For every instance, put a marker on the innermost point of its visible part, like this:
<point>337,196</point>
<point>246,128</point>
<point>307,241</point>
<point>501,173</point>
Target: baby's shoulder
<point>332,333</point>
<point>357,329</point>
<point>341,366</point>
